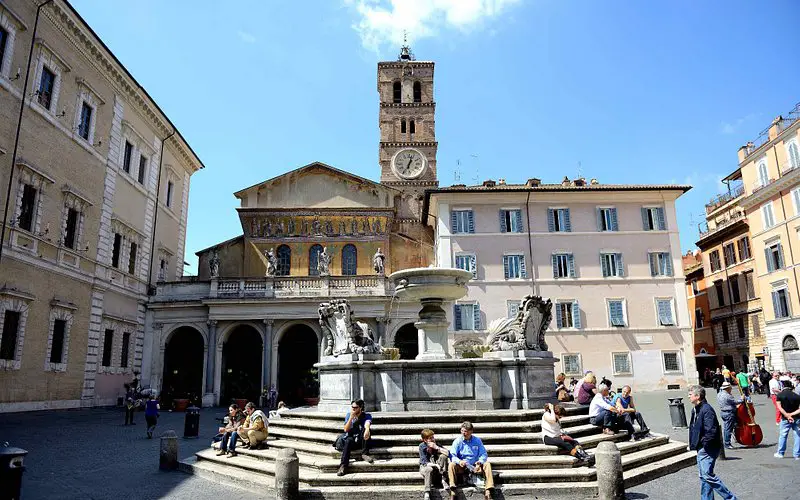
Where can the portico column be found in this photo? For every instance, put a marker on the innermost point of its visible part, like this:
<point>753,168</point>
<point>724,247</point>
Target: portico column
<point>266,378</point>
<point>211,352</point>
<point>157,374</point>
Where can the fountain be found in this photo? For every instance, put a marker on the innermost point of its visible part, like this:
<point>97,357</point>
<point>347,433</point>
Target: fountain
<point>516,373</point>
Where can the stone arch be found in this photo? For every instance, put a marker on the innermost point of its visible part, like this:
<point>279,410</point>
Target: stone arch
<point>226,331</point>
<point>789,343</point>
<point>173,327</point>
<point>240,348</point>
<point>406,338</point>
<point>297,346</point>
<point>183,360</point>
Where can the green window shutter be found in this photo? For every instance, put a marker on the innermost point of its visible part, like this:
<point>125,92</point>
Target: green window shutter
<point>768,257</point>
<point>662,222</point>
<point>522,271</point>
<point>668,261</point>
<point>776,305</point>
<point>620,264</point>
<point>476,310</point>
<point>505,266</point>
<point>567,223</point>
<point>599,219</point>
<point>645,220</point>
<point>555,265</point>
<point>604,265</point>
<point>457,316</point>
<point>571,260</point>
<point>559,323</point>
<point>652,257</point>
<point>576,315</point>
<point>471,218</point>
<point>779,264</point>
<point>518,216</point>
<point>551,224</point>
<point>614,223</point>
<point>503,227</point>
<point>473,264</point>
<point>453,222</point>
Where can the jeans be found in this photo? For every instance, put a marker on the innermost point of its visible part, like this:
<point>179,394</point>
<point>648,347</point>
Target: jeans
<point>783,437</point>
<point>708,480</point>
<point>129,414</point>
<point>230,436</point>
<point>432,474</point>
<point>351,443</point>
<point>728,425</point>
<point>604,419</point>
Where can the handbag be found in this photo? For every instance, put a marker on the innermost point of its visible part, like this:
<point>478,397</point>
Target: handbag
<point>339,444</point>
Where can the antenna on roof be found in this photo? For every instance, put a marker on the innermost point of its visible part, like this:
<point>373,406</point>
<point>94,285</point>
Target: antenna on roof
<point>477,177</point>
<point>580,170</point>
<point>457,172</point>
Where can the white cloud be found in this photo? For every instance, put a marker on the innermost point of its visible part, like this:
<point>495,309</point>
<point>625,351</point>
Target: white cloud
<point>382,22</point>
<point>731,127</point>
<point>246,37</point>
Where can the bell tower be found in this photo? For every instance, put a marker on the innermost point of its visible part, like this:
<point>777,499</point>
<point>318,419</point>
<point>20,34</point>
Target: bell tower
<point>407,150</point>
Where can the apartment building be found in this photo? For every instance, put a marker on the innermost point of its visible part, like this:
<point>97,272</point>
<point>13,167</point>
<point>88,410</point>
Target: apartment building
<point>97,212</point>
<point>699,311</point>
<point>608,256</point>
<point>769,168</point>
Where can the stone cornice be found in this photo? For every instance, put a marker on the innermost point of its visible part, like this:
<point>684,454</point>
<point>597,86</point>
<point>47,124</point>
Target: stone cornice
<point>404,64</point>
<point>408,104</point>
<point>786,181</point>
<point>409,144</point>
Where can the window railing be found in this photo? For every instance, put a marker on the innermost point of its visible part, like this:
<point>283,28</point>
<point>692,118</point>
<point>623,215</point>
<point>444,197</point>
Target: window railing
<point>721,224</point>
<point>279,286</point>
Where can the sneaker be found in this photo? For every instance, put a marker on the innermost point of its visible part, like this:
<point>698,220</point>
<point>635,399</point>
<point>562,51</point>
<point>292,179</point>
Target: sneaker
<point>221,452</point>
<point>340,472</point>
<point>730,447</point>
<point>426,496</point>
<point>777,455</point>
<point>232,454</point>
<point>367,458</point>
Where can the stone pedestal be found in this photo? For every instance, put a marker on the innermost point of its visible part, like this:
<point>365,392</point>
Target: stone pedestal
<point>432,331</point>
<point>526,378</point>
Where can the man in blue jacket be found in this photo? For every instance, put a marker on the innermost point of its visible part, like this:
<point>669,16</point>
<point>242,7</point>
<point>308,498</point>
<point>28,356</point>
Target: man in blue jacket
<point>467,454</point>
<point>704,436</point>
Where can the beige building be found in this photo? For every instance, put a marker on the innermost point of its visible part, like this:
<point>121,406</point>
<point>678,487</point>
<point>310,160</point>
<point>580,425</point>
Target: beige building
<point>770,170</point>
<point>97,213</point>
<point>608,256</point>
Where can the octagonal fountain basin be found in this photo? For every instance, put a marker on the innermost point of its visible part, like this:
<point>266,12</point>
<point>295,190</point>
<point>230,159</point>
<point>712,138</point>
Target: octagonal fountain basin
<point>421,283</point>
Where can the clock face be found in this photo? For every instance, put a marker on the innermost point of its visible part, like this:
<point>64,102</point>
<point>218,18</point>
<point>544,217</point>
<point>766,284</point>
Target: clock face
<point>409,163</point>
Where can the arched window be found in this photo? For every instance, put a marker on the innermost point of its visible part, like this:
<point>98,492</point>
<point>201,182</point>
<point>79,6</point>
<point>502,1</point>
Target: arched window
<point>349,260</point>
<point>794,155</point>
<point>397,92</point>
<point>763,176</point>
<point>403,126</point>
<point>313,260</point>
<point>411,127</point>
<point>284,261</point>
<point>417,92</point>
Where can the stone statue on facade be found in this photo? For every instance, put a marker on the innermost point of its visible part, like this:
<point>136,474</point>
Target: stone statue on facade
<point>290,227</point>
<point>376,226</point>
<point>354,226</point>
<point>343,335</point>
<point>316,227</point>
<point>526,330</point>
<point>268,229</point>
<point>272,262</point>
<point>378,263</point>
<point>213,264</point>
<point>324,263</point>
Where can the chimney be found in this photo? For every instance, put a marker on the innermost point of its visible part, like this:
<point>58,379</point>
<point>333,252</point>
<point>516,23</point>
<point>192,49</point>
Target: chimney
<point>743,152</point>
<point>488,183</point>
<point>565,182</point>
<point>534,182</point>
<point>580,182</point>
<point>501,182</point>
<point>775,127</point>
<point>594,182</point>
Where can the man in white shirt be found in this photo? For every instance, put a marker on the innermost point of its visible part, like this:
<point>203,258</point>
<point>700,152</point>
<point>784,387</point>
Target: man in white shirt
<point>775,388</point>
<point>601,412</point>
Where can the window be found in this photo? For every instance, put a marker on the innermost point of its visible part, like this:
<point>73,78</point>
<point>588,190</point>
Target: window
<point>8,344</point>
<point>467,262</point>
<point>57,348</point>
<point>132,258</point>
<point>3,43</point>
<point>699,319</point>
<point>793,154</point>
<point>403,126</point>
<point>462,221</point>
<point>616,312</point>
<point>780,303</point>
<point>607,219</point>
<point>734,284</point>
<point>108,346</point>
<point>412,129</point>
<point>46,84</point>
<point>796,200</point>
<point>397,92</point>
<point>127,157</point>
<point>748,284</point>
<point>714,261</point>
<point>672,361</point>
<point>115,252</point>
<point>417,92</point>
<point>660,264</point>
<point>718,288</point>
<point>313,259</point>
<point>695,287</point>
<point>726,336</point>
<point>563,265</point>
<point>170,191</point>
<point>665,317</point>
<point>142,168</point>
<point>85,123</point>
<point>568,314</point>
<point>774,255</point>
<point>27,209</point>
<point>284,266</point>
<point>558,220</point>
<point>611,264</point>
<point>744,248</point>
<point>514,266</point>
<point>622,362</point>
<point>71,232</point>
<point>730,254</point>
<point>349,260</point>
<point>510,221</point>
<point>571,364</point>
<point>755,326</point>
<point>767,217</point>
<point>126,341</point>
<point>653,219</point>
<point>740,327</point>
<point>763,176</point>
<point>513,308</point>
<point>467,316</point>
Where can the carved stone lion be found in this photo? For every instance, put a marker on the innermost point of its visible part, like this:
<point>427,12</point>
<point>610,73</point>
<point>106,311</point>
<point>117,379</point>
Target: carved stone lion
<point>526,330</point>
<point>343,335</point>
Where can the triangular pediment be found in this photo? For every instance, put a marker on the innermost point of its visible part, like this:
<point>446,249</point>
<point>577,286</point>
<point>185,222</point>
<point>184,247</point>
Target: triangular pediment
<point>317,185</point>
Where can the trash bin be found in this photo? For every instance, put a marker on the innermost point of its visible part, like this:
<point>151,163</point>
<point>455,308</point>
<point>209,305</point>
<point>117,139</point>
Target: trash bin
<point>677,412</point>
<point>11,470</point>
<point>191,423</point>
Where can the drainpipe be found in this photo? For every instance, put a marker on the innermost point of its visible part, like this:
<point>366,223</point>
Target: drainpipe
<point>530,243</point>
<point>150,290</point>
<point>19,126</point>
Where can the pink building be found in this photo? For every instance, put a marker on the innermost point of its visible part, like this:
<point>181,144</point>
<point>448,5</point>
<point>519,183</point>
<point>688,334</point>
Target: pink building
<point>608,256</point>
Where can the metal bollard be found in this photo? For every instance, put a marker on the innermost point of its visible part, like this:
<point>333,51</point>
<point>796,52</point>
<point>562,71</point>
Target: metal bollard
<point>11,470</point>
<point>608,464</point>
<point>191,422</point>
<point>287,475</point>
<point>168,454</point>
<point>677,413</point>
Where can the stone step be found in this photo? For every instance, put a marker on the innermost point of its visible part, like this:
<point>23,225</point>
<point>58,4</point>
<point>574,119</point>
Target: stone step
<point>644,456</point>
<point>414,492</point>
<point>659,467</point>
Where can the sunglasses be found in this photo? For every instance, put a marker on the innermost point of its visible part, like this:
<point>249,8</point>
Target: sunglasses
<point>355,407</point>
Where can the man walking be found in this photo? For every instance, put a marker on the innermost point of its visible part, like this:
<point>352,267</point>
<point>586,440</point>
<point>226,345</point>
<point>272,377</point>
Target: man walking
<point>727,410</point>
<point>788,403</point>
<point>744,382</point>
<point>704,437</point>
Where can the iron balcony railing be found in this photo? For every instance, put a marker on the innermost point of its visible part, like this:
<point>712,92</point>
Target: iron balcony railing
<point>724,198</point>
<point>721,224</point>
<point>785,122</point>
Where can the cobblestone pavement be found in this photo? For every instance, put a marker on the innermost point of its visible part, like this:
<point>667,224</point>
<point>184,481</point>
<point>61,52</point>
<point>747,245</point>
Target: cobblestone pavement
<point>89,454</point>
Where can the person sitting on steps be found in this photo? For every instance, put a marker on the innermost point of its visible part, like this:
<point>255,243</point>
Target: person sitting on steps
<point>356,433</point>
<point>434,460</point>
<point>552,434</point>
<point>229,432</point>
<point>628,413</point>
<point>467,454</point>
<point>586,389</point>
<point>602,413</point>
<point>254,429</point>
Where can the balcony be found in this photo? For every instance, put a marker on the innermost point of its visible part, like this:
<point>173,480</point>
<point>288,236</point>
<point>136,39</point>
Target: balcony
<point>726,221</point>
<point>724,198</point>
<point>781,124</point>
<point>761,184</point>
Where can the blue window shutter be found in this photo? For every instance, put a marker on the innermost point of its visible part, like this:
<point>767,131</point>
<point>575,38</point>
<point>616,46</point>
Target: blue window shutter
<point>518,216</point>
<point>645,221</point>
<point>668,261</point>
<point>551,224</point>
<point>558,315</point>
<point>555,265</point>
<point>779,264</point>
<point>453,222</point>
<point>571,259</point>
<point>505,266</point>
<point>567,223</point>
<point>604,266</point>
<point>476,310</point>
<point>770,265</point>
<point>457,316</point>
<point>614,222</point>
<point>576,315</point>
<point>471,218</point>
<point>776,304</point>
<point>652,257</point>
<point>620,265</point>
<point>599,219</point>
<point>503,227</point>
<point>473,264</point>
<point>522,271</point>
<point>662,222</point>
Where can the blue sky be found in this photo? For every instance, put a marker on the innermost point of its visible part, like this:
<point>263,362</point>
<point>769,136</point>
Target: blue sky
<point>633,92</point>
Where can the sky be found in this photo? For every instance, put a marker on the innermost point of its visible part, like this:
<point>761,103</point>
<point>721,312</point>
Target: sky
<point>622,91</point>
